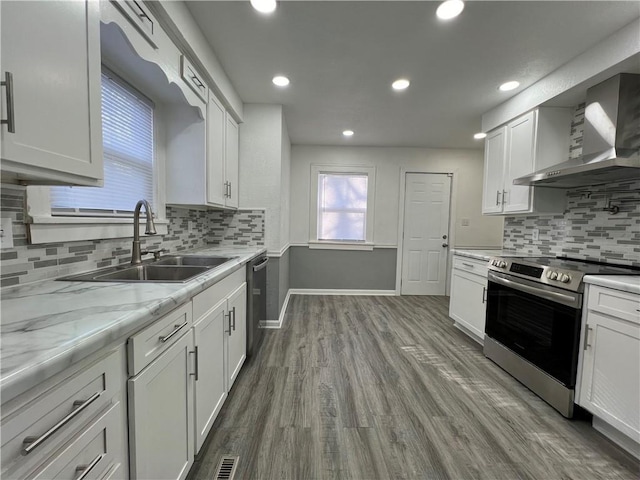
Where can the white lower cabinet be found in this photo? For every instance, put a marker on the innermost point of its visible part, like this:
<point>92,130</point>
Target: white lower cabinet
<point>210,385</point>
<point>610,363</point>
<point>220,334</point>
<point>161,414</point>
<point>468,296</point>
<point>70,425</point>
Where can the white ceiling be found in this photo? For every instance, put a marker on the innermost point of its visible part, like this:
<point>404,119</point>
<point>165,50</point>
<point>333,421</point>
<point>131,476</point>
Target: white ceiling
<point>342,56</point>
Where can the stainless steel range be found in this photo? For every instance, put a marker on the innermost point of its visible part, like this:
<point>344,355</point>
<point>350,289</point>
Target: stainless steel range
<point>534,311</point>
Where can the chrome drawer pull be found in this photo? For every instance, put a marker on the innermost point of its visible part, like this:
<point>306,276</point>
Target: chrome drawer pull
<point>176,329</point>
<point>484,294</point>
<point>234,319</point>
<point>84,470</point>
<point>197,366</point>
<point>31,443</point>
<point>10,122</point>
<point>467,265</point>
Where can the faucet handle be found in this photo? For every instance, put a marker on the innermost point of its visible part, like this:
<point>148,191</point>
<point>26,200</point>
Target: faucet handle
<point>158,253</point>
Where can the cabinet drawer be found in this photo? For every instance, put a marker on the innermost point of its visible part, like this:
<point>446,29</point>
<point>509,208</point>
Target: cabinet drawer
<point>616,303</point>
<point>52,418</point>
<point>191,76</point>
<point>138,14</point>
<point>147,344</point>
<point>205,301</point>
<point>471,265</point>
<point>93,453</point>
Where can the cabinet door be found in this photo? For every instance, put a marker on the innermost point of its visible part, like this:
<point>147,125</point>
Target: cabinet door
<point>231,161</point>
<point>494,159</point>
<point>520,149</point>
<point>467,305</point>
<point>216,118</point>
<point>210,390</point>
<point>161,415</point>
<point>237,333</point>
<point>52,50</point>
<point>611,372</point>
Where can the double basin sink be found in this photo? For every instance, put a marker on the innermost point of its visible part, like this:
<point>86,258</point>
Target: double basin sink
<point>171,269</point>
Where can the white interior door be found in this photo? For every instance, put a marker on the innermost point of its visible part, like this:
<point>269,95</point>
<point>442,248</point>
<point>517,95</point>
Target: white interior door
<point>426,232</point>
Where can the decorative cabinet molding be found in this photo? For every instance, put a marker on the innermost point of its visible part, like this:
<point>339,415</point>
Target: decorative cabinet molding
<point>533,141</point>
<point>54,134</point>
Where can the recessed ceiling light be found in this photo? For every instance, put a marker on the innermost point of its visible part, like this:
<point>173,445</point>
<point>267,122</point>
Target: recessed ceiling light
<point>401,84</point>
<point>264,6</point>
<point>348,133</point>
<point>480,135</point>
<point>450,9</point>
<point>280,81</point>
<point>505,87</point>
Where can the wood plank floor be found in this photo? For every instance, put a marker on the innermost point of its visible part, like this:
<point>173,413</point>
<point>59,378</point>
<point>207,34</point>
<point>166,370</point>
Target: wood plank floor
<point>387,388</point>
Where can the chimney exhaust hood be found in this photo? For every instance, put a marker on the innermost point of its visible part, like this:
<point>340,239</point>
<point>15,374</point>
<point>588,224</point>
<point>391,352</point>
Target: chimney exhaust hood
<point>611,145</point>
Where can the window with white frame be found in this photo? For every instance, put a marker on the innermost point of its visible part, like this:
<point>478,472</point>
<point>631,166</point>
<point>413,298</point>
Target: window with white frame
<point>342,204</point>
<point>128,144</point>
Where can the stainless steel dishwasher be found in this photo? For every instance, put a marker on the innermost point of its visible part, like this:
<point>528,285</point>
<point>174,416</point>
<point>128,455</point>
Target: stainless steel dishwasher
<point>256,302</point>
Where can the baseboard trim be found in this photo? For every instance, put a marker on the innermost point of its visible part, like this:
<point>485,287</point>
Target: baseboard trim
<point>332,291</point>
<point>278,323</point>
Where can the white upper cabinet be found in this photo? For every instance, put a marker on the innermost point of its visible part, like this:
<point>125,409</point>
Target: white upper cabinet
<point>231,161</point>
<point>51,101</point>
<point>533,141</point>
<point>216,118</point>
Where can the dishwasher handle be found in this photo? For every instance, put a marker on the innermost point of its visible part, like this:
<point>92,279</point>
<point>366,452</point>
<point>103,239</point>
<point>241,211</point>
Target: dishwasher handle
<point>261,265</point>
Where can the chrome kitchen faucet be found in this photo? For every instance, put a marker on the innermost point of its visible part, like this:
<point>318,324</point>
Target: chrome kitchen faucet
<point>150,230</point>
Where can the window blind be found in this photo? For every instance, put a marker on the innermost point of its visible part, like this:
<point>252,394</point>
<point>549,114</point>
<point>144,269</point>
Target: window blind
<point>127,138</point>
<point>342,207</point>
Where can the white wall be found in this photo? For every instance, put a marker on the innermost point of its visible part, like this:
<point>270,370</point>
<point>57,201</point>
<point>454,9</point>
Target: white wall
<point>466,165</point>
<point>264,170</point>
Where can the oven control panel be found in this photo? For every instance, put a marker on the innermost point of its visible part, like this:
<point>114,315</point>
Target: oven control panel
<point>549,275</point>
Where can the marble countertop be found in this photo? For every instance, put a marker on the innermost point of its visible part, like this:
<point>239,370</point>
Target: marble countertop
<point>486,254</point>
<point>626,283</point>
<point>47,326</point>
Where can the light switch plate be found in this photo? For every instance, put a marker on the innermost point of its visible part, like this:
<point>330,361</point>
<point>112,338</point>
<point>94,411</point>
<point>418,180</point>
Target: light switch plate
<point>464,222</point>
<point>6,233</point>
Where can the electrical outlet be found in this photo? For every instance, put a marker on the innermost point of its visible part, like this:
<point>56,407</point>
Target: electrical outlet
<point>6,233</point>
<point>535,235</point>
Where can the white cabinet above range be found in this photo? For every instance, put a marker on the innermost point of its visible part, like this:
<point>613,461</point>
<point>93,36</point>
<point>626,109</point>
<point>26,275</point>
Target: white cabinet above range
<point>533,141</point>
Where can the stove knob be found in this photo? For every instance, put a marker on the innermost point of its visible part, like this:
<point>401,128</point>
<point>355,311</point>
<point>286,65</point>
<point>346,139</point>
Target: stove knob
<point>493,263</point>
<point>502,264</point>
<point>552,275</point>
<point>564,278</point>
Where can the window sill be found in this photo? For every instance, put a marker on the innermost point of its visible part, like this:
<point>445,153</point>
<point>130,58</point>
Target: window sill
<point>326,245</point>
<point>53,229</point>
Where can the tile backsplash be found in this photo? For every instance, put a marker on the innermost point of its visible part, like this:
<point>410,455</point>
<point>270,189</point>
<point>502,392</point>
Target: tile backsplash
<point>586,230</point>
<point>187,229</point>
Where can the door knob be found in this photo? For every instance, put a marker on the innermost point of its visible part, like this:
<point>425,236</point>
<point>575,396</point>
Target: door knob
<point>445,245</point>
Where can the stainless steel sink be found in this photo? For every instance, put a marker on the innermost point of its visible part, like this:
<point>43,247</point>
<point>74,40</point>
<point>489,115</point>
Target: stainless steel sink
<point>201,261</point>
<point>170,269</point>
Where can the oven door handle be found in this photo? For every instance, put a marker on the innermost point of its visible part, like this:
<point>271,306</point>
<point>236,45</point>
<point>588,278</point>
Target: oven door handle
<point>562,298</point>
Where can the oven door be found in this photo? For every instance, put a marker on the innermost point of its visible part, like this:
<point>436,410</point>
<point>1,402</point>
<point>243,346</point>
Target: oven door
<point>538,322</point>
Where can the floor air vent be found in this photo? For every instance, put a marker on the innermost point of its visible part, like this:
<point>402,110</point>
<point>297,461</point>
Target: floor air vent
<point>226,468</point>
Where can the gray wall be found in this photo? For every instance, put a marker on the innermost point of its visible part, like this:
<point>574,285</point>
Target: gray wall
<point>343,269</point>
<point>277,284</point>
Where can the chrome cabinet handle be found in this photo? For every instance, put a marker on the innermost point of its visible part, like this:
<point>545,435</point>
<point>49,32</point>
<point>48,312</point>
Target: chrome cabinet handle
<point>176,329</point>
<point>504,197</point>
<point>197,81</point>
<point>484,294</point>
<point>261,265</point>
<point>197,360</point>
<point>468,265</point>
<point>234,319</point>
<point>84,470</point>
<point>497,197</point>
<point>31,443</point>
<point>10,122</point>
<point>228,314</point>
<point>586,338</point>
<point>229,189</point>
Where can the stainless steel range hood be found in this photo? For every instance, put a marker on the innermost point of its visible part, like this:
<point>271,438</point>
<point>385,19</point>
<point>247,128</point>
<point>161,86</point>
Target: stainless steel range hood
<point>611,145</point>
